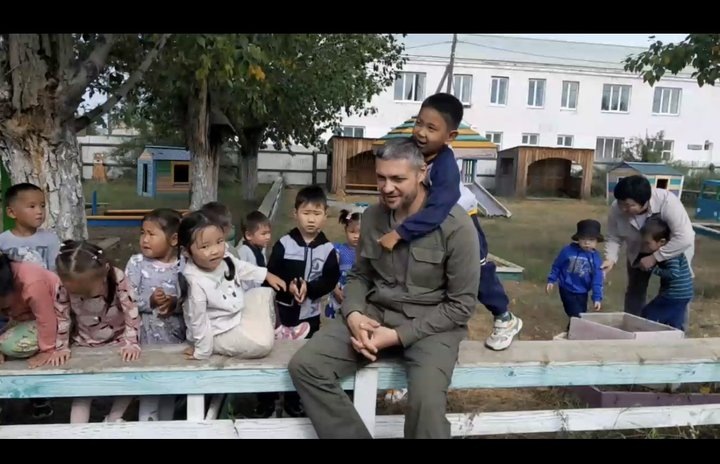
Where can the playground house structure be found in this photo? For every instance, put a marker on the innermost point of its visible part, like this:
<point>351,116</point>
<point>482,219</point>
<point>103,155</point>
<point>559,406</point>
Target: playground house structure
<point>163,170</point>
<point>469,147</point>
<point>660,175</point>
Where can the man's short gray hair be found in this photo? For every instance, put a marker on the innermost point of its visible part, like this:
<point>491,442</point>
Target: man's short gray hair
<point>401,149</point>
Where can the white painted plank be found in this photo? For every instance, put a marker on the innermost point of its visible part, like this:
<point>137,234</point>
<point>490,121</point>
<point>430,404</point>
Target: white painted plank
<point>131,430</point>
<point>195,407</point>
<point>577,420</point>
<point>511,422</point>
<point>471,424</point>
<point>365,396</point>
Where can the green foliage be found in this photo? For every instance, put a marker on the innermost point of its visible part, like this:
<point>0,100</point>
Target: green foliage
<point>700,51</point>
<point>280,86</point>
<point>646,149</point>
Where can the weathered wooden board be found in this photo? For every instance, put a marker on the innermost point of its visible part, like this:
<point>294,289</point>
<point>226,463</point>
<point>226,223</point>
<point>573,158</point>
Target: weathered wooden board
<point>163,370</point>
<point>471,424</point>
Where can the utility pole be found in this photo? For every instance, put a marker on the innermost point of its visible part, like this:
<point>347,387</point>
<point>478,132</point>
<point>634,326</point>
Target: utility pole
<point>452,64</point>
<point>448,69</point>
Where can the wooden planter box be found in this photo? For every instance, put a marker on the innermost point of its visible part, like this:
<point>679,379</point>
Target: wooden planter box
<point>624,326</point>
<point>619,326</point>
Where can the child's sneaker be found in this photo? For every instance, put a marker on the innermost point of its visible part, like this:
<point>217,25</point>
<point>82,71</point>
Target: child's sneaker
<point>298,332</point>
<point>503,333</point>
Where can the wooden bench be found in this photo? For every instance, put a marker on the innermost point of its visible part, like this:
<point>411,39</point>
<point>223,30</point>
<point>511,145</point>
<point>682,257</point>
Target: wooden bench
<point>163,370</point>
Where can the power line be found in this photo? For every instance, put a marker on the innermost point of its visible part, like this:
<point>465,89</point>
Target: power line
<point>538,54</point>
<point>429,44</point>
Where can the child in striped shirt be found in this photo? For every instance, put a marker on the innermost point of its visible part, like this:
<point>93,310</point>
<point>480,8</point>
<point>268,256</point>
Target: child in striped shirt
<point>670,306</point>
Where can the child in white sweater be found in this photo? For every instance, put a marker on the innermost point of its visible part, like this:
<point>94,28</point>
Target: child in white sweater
<point>220,316</point>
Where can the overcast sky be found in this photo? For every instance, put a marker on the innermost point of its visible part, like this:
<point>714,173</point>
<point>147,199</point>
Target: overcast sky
<point>633,40</point>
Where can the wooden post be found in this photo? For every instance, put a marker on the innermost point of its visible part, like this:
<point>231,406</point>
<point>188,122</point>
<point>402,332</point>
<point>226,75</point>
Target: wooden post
<point>365,396</point>
<point>314,168</point>
<point>195,407</point>
<point>94,205</point>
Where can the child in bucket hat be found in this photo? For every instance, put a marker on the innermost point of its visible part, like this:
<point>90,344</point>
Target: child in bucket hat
<point>577,270</point>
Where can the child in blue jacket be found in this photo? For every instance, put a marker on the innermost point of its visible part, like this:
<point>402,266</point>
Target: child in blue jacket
<point>577,270</point>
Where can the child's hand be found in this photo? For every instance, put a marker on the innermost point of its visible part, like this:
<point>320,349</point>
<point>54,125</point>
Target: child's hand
<point>389,240</point>
<point>549,288</point>
<point>166,308</point>
<point>276,282</point>
<point>296,289</point>
<point>597,306</point>
<point>58,358</point>
<point>158,298</point>
<point>189,352</point>
<point>302,292</point>
<point>39,359</point>
<point>339,294</point>
<point>130,353</point>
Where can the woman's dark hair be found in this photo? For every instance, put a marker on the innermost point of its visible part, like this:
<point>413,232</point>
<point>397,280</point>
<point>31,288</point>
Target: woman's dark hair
<point>636,188</point>
<point>190,226</point>
<point>168,220</point>
<point>7,280</point>
<point>79,257</point>
<point>346,218</point>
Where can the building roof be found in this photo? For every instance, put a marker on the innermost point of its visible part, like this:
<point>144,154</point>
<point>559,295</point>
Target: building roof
<point>168,153</point>
<point>499,49</point>
<point>651,169</point>
<point>467,137</point>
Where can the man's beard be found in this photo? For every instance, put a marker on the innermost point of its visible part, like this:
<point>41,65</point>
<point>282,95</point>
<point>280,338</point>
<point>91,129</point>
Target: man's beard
<point>407,200</point>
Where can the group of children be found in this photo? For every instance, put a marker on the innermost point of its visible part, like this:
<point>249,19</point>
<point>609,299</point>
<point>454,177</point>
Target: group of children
<point>577,272</point>
<point>189,285</point>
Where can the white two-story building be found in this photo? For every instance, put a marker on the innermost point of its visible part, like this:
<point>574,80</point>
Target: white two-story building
<point>521,91</point>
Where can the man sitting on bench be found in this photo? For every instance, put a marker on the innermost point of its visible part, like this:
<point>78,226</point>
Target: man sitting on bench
<point>414,302</point>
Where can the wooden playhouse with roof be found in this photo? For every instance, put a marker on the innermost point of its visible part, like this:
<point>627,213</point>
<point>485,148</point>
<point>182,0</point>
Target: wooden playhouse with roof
<point>469,146</point>
<point>534,170</point>
<point>353,158</point>
<point>163,170</point>
<point>660,175</point>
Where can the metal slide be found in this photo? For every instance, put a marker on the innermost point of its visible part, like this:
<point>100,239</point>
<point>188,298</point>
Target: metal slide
<point>489,205</point>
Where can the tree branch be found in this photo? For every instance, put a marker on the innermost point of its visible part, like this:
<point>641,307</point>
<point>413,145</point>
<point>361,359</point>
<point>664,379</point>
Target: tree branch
<point>89,70</point>
<point>86,119</point>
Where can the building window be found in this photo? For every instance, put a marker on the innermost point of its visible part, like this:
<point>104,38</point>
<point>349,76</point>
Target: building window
<point>608,148</point>
<point>352,131</point>
<point>664,147</point>
<point>536,93</point>
<point>410,86</point>
<point>499,90</point>
<point>530,139</point>
<point>666,101</point>
<point>565,140</point>
<point>462,88</point>
<point>570,92</point>
<point>616,98</point>
<point>494,137</point>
